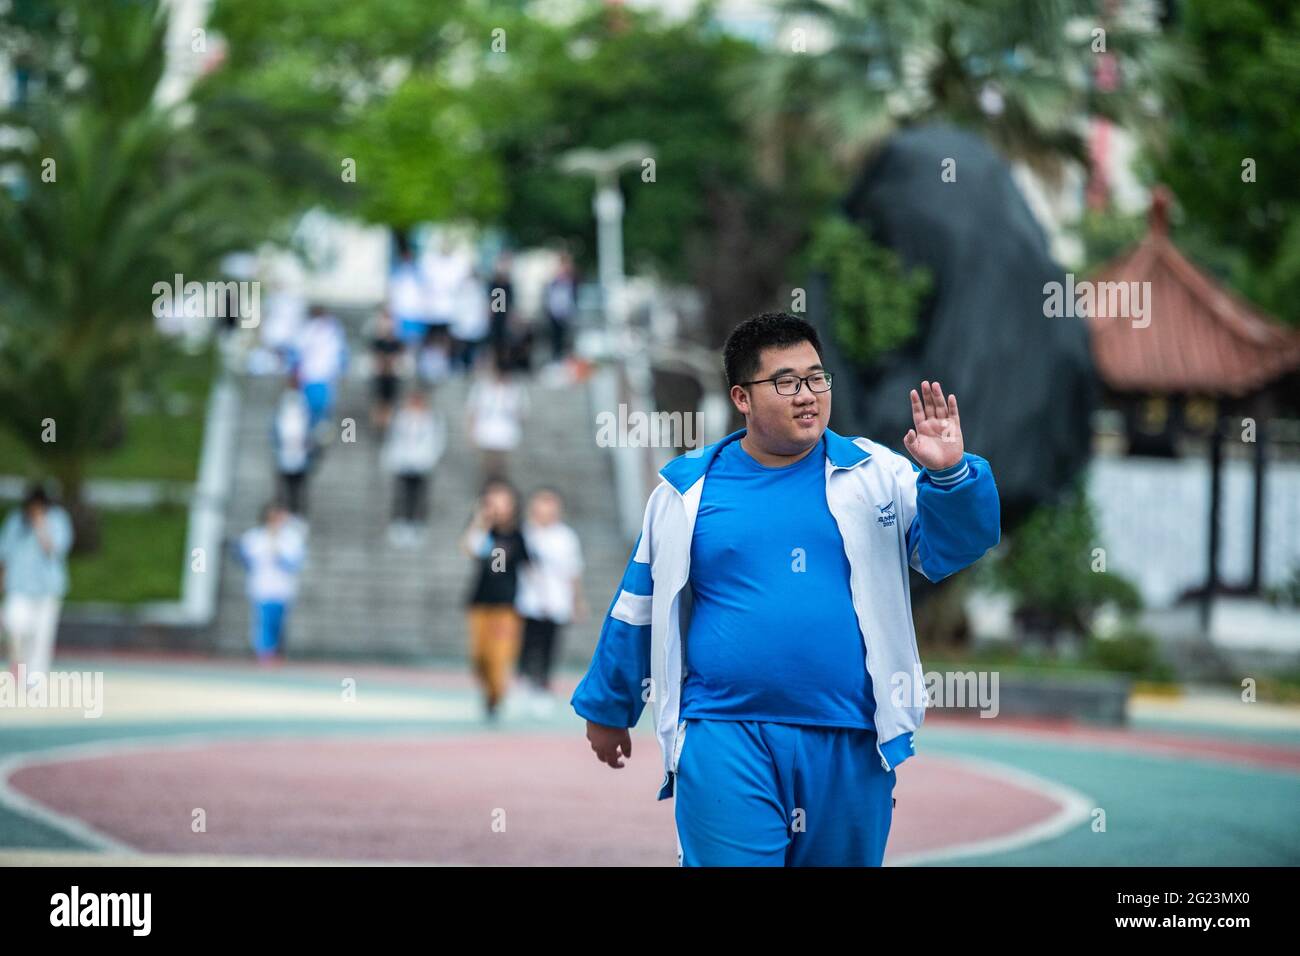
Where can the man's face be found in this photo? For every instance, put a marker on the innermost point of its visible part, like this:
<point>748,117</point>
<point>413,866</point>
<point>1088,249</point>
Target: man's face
<point>786,424</point>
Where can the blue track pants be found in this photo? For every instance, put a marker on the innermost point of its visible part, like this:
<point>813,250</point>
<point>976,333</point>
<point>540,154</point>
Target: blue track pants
<point>753,793</point>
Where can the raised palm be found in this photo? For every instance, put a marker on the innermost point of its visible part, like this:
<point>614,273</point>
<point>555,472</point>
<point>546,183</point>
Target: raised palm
<point>936,440</point>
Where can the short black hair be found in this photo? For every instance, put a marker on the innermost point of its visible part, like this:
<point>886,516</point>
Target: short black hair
<point>744,346</point>
<point>497,481</point>
<point>36,495</point>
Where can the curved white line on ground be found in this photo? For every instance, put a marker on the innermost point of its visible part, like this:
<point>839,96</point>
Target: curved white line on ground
<point>78,829</point>
<point>71,826</point>
<point>1073,808</point>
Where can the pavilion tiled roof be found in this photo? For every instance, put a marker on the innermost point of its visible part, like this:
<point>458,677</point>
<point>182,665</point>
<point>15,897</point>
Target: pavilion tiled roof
<point>1201,338</point>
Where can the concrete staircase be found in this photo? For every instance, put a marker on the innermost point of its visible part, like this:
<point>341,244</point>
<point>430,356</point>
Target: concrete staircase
<point>362,598</point>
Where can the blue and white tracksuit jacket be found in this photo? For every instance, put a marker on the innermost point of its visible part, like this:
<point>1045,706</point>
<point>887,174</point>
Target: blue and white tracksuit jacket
<point>890,514</point>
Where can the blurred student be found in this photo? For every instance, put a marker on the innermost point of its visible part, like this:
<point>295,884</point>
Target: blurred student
<point>444,270</point>
<point>550,592</point>
<point>407,297</point>
<point>273,555</point>
<point>322,357</point>
<point>292,435</point>
<point>433,359</point>
<point>414,446</point>
<point>285,315</point>
<point>561,304</point>
<point>494,540</point>
<point>494,411</point>
<point>34,543</point>
<point>385,358</point>
<point>471,326</point>
<point>501,311</point>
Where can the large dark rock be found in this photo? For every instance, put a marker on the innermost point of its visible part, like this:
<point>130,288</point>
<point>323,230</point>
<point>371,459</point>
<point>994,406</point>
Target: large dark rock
<point>1025,382</point>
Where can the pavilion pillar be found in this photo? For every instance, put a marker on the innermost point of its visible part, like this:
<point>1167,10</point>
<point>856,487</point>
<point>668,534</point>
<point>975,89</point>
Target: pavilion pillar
<point>1216,487</point>
<point>1257,529</point>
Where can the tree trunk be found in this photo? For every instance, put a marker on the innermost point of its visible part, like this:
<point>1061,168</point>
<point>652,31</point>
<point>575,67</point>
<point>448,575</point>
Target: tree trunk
<point>85,519</point>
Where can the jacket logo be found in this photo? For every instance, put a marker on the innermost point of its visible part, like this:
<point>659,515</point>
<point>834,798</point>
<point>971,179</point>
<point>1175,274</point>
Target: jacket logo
<point>887,516</point>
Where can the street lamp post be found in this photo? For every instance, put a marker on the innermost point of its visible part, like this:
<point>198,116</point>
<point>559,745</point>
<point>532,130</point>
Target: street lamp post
<point>632,472</point>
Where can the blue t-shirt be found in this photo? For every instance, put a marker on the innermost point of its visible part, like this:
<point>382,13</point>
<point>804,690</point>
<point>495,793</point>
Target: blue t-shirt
<point>773,633</point>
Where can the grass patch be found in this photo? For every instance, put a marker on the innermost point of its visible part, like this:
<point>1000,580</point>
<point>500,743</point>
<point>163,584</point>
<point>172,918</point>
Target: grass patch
<point>1132,653</point>
<point>140,558</point>
<point>164,428</point>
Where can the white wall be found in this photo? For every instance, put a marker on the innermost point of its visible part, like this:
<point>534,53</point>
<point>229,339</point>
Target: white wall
<point>1153,521</point>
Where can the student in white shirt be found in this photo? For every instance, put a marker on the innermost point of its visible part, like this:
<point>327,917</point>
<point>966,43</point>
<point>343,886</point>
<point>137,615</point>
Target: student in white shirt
<point>34,543</point>
<point>408,298</point>
<point>273,555</point>
<point>293,446</point>
<point>433,358</point>
<point>550,590</point>
<point>472,322</point>
<point>444,271</point>
<point>322,357</point>
<point>495,407</point>
<point>414,446</point>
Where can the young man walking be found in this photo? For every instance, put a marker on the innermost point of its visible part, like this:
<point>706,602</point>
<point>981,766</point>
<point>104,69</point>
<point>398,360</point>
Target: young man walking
<point>766,613</point>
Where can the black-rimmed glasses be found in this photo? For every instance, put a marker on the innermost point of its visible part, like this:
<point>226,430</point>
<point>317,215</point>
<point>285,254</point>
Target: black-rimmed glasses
<point>790,384</point>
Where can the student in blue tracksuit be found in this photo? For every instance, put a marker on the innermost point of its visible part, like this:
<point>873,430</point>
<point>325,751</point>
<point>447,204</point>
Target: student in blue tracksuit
<point>789,693</point>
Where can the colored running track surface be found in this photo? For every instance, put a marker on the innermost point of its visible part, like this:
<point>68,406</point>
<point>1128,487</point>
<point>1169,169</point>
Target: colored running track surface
<point>193,761</point>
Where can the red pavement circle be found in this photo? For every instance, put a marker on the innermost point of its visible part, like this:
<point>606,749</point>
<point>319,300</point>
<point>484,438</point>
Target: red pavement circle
<point>493,799</point>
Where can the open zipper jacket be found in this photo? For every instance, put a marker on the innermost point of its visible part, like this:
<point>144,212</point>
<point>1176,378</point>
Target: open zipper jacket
<point>890,514</point>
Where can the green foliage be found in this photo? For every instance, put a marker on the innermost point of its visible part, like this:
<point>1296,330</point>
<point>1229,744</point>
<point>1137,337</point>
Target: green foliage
<point>1107,234</point>
<point>112,194</point>
<point>162,425</point>
<point>1018,73</point>
<point>1047,566</point>
<point>142,558</point>
<point>366,82</point>
<point>1242,107</point>
<point>1131,651</point>
<point>874,298</point>
<point>444,124</point>
<point>597,83</point>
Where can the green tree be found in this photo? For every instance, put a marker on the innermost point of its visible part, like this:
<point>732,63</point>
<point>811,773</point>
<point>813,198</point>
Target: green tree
<point>874,298</point>
<point>1233,158</point>
<point>600,81</point>
<point>108,194</point>
<point>1050,568</point>
<point>1018,73</point>
<point>370,83</point>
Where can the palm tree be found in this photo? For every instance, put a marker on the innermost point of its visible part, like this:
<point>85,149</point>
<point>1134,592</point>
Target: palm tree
<point>109,194</point>
<point>1020,73</point>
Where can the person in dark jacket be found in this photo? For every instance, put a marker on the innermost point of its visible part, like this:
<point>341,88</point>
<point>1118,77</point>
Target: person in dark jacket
<point>494,540</point>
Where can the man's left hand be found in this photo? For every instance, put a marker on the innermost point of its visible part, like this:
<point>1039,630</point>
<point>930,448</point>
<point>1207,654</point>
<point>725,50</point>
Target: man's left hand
<point>936,441</point>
